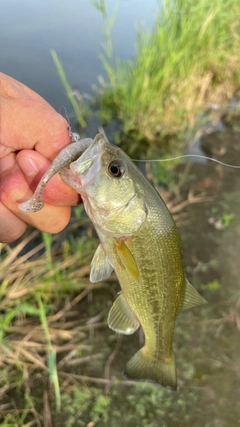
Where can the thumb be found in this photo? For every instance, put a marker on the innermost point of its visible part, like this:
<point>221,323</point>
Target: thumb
<point>34,165</point>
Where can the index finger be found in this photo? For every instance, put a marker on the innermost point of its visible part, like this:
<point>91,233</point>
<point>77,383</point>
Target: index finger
<point>28,121</point>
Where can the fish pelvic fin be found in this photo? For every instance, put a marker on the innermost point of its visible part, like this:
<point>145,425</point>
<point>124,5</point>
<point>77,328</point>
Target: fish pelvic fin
<point>145,367</point>
<point>121,319</point>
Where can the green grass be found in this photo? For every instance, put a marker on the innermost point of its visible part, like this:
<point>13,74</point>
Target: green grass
<point>188,61</point>
<point>38,279</point>
<point>80,108</point>
<point>51,354</point>
<point>182,70</point>
<point>144,402</point>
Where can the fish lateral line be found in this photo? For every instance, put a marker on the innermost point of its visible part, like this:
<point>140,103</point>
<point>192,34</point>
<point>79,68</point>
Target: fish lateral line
<point>183,156</point>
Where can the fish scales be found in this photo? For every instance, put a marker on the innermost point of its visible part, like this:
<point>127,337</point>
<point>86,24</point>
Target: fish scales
<point>152,301</point>
<point>139,240</point>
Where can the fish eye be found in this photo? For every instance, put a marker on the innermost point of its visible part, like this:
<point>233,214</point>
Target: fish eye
<point>116,169</point>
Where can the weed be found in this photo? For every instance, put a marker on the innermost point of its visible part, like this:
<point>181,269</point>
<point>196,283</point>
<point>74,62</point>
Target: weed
<point>213,286</point>
<point>80,108</point>
<point>227,219</point>
<point>51,354</point>
<point>188,62</point>
<point>36,331</point>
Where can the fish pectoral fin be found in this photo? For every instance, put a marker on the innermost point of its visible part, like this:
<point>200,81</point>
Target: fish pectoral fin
<point>121,319</point>
<point>143,366</point>
<point>127,259</point>
<point>101,268</point>
<point>192,297</point>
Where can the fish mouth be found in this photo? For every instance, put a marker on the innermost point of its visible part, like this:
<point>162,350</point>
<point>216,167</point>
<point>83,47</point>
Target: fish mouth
<point>86,160</point>
<point>83,170</point>
<point>73,181</point>
<point>79,167</point>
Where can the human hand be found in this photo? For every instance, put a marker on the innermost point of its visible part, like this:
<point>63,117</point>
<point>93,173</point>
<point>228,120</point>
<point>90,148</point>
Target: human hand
<point>31,134</point>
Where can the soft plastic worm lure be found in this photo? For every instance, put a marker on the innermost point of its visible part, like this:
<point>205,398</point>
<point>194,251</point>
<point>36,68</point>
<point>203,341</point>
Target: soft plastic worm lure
<point>68,155</point>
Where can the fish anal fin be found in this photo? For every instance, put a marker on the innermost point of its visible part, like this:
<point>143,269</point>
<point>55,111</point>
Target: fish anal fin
<point>121,319</point>
<point>143,367</point>
<point>192,297</point>
<point>127,259</point>
<point>101,268</point>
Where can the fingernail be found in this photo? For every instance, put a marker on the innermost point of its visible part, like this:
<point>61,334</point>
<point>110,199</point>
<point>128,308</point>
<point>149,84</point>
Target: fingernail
<point>6,163</point>
<point>28,166</point>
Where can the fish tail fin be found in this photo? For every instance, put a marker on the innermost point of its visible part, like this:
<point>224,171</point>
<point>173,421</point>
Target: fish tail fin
<point>144,367</point>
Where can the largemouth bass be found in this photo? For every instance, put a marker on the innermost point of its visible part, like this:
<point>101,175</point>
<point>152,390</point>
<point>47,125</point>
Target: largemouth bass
<point>139,241</point>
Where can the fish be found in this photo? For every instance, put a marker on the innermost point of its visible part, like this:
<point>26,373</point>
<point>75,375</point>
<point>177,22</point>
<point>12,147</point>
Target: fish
<point>139,241</point>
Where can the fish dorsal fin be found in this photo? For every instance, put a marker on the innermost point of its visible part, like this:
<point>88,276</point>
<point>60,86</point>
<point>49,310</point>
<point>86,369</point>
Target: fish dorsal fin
<point>127,259</point>
<point>121,319</point>
<point>192,297</point>
<point>101,268</point>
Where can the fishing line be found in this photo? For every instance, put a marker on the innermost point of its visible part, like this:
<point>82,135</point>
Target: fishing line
<point>64,114</point>
<point>67,118</point>
<point>183,156</point>
<point>188,155</point>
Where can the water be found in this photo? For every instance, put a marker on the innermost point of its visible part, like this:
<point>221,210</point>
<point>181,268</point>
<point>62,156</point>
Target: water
<point>30,28</point>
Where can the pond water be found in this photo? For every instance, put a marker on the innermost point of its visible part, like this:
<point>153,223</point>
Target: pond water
<point>30,28</point>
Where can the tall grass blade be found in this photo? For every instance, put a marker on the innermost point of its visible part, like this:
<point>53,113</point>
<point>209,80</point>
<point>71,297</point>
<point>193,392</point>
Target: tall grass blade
<point>79,109</point>
<point>51,356</point>
<point>47,238</point>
